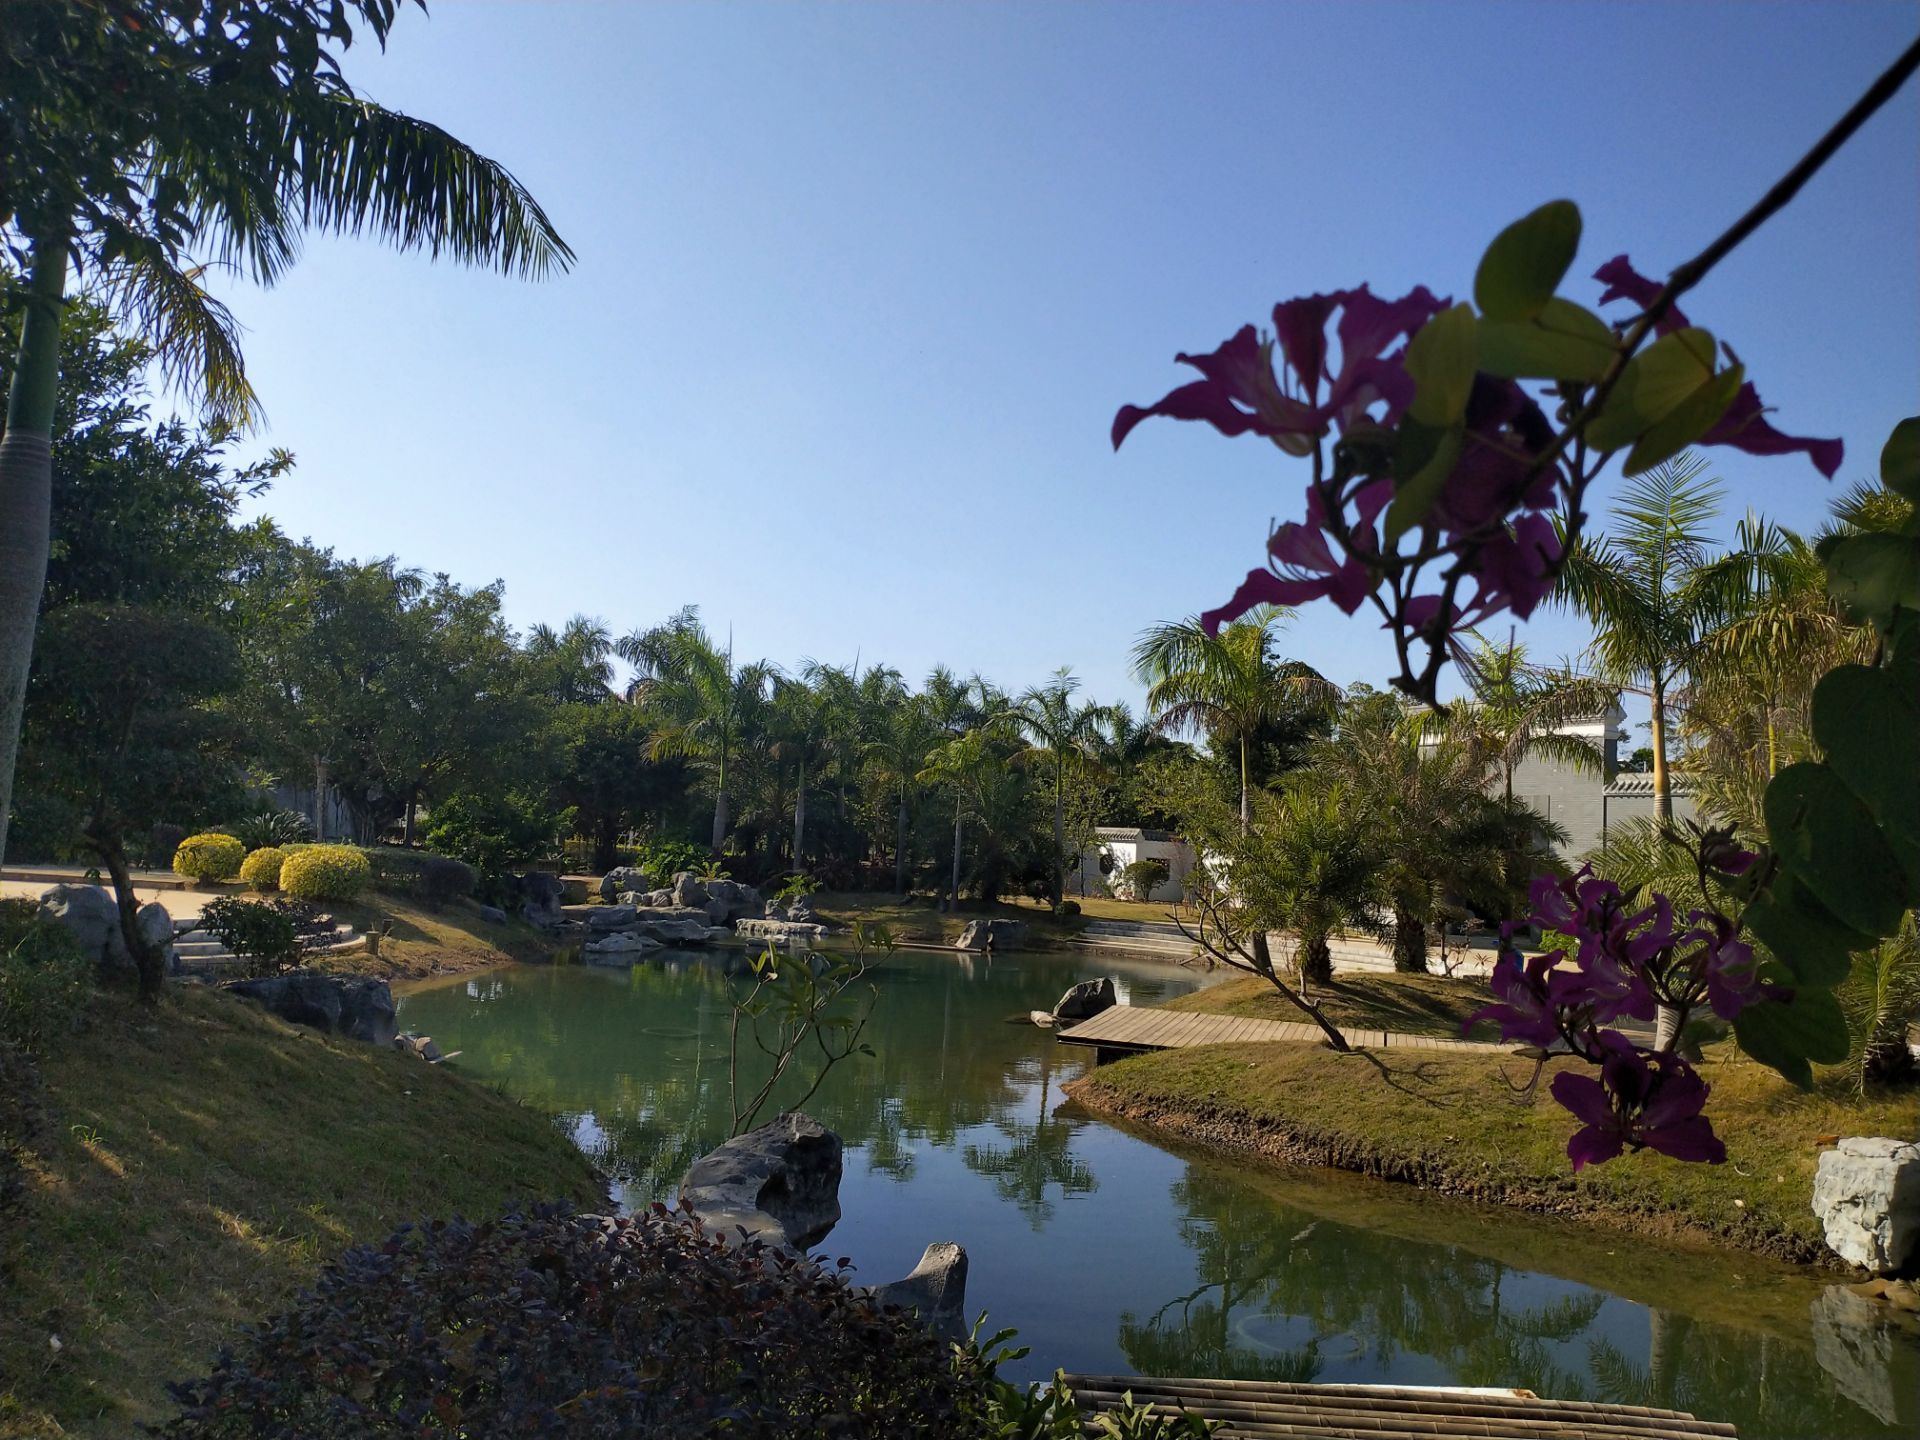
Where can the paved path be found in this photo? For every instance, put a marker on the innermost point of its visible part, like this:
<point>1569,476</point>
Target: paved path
<point>181,904</point>
<point>1134,1028</point>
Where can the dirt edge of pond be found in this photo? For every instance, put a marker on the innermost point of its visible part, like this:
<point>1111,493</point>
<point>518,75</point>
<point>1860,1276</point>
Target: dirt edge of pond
<point>1228,1129</point>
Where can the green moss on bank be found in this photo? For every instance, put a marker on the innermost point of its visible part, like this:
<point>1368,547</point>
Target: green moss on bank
<point>1453,1123</point>
<point>199,1164</point>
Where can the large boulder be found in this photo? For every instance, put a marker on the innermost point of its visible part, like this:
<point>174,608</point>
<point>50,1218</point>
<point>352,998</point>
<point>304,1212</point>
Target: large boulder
<point>779,1183</point>
<point>1866,1194</point>
<point>619,880</point>
<point>541,894</point>
<point>602,918</point>
<point>1086,1000</point>
<point>687,890</point>
<point>780,931</point>
<point>622,949</point>
<point>92,917</point>
<point>992,935</point>
<point>936,1290</point>
<point>353,1006</point>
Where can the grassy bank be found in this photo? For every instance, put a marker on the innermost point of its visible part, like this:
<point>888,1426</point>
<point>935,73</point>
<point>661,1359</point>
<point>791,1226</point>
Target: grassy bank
<point>198,1164</point>
<point>423,942</point>
<point>1452,1123</point>
<point>917,920</point>
<point>1411,1004</point>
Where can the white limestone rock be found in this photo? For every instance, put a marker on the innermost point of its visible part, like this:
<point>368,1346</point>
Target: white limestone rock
<point>1866,1194</point>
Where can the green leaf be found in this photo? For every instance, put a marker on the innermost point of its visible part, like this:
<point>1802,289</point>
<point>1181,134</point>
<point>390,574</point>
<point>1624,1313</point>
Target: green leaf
<point>1786,1034</point>
<point>1415,497</point>
<point>1686,422</point>
<point>1802,934</point>
<point>1828,841</point>
<point>1526,262</point>
<point>1875,574</point>
<point>1441,360</point>
<point>1563,342</point>
<point>1900,459</point>
<point>1655,383</point>
<point>1871,735</point>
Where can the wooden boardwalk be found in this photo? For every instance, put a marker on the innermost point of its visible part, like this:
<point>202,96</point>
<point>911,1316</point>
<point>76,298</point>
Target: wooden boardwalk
<point>1130,1029</point>
<point>1258,1409</point>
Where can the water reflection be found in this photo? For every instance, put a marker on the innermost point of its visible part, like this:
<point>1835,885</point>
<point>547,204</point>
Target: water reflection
<point>1110,1253</point>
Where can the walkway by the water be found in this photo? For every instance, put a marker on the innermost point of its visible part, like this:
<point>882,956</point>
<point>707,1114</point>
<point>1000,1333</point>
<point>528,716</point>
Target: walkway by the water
<point>1133,1028</point>
<point>1257,1409</point>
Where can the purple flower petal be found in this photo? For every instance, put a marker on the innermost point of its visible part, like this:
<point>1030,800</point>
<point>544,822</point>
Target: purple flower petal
<point>1300,326</point>
<point>1623,282</point>
<point>1745,427</point>
<point>1585,1097</point>
<point>1691,1139</point>
<point>1263,587</point>
<point>1593,1146</point>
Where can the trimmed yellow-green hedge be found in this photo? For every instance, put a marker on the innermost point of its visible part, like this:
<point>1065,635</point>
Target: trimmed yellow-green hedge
<point>209,856</point>
<point>261,869</point>
<point>325,872</point>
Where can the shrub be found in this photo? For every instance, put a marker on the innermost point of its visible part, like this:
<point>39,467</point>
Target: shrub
<point>434,878</point>
<point>263,936</point>
<point>1068,909</point>
<point>637,1325</point>
<point>261,869</point>
<point>497,833</point>
<point>45,977</point>
<point>274,828</point>
<point>210,855</point>
<point>664,859</point>
<point>325,872</point>
<point>1142,877</point>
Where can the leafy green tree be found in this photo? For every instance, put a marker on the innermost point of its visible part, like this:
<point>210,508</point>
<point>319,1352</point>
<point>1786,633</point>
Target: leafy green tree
<point>1308,865</point>
<point>148,138</point>
<point>608,774</point>
<point>1228,686</point>
<point>801,717</point>
<point>1069,736</point>
<point>121,736</point>
<point>569,666</point>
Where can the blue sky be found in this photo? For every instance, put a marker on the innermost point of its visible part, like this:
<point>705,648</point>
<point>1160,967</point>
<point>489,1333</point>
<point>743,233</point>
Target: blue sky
<point>861,286</point>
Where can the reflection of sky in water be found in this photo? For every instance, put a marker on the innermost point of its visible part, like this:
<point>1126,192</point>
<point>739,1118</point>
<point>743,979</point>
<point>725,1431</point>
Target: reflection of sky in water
<point>1111,1254</point>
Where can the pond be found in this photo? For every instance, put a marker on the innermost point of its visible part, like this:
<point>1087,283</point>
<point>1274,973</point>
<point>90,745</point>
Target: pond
<point>1109,1252</point>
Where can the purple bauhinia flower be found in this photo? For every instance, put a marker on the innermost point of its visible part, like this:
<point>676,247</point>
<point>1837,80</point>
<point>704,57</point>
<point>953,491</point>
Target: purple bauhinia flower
<point>1641,1100</point>
<point>1720,851</point>
<point>1526,1014</point>
<point>1744,426</point>
<point>1305,565</point>
<point>1731,968</point>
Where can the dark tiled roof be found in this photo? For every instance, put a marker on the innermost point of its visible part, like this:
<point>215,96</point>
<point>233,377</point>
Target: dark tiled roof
<point>1640,782</point>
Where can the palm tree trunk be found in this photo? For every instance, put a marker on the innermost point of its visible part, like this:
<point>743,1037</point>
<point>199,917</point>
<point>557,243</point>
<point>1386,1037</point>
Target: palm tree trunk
<point>900,846</point>
<point>1059,830</point>
<point>1409,942</point>
<point>26,495</point>
<point>720,805</point>
<point>413,804</point>
<point>319,798</point>
<point>958,814</point>
<point>1316,960</point>
<point>1662,781</point>
<point>800,813</point>
<point>1246,798</point>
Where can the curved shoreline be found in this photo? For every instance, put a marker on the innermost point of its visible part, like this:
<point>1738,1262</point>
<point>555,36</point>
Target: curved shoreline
<point>1228,1131</point>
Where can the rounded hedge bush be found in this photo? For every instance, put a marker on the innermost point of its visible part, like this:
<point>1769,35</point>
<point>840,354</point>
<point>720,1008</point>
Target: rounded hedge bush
<point>564,1325</point>
<point>324,872</point>
<point>209,855</point>
<point>261,869</point>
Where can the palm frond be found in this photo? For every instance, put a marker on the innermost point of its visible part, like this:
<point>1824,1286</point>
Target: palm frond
<point>194,337</point>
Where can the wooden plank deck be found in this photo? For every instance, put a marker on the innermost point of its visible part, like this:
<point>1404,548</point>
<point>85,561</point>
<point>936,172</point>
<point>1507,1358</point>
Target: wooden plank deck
<point>1138,1027</point>
<point>1259,1409</point>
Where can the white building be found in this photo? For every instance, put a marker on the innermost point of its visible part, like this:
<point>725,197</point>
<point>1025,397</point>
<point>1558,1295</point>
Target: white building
<point>1118,846</point>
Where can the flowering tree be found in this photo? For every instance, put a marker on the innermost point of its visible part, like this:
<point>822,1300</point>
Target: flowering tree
<point>1451,447</point>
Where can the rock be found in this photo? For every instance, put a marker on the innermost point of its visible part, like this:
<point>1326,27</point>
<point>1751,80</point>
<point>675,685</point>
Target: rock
<point>779,930</point>
<point>779,1183</point>
<point>541,895</point>
<point>802,911</point>
<point>725,891</point>
<point>1866,1194</point>
<point>620,880</point>
<point>687,890</point>
<point>1086,1000</point>
<point>936,1290</point>
<point>93,919</point>
<point>622,949</point>
<point>718,934</point>
<point>491,913</point>
<point>1875,1365</point>
<point>1043,1018</point>
<point>357,1008</point>
<point>718,911</point>
<point>992,935</point>
<point>602,918</point>
<point>773,910</point>
<point>420,1045</point>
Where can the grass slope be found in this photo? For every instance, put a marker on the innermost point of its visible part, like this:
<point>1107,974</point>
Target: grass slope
<point>1411,1004</point>
<point>1453,1123</point>
<point>424,941</point>
<point>199,1164</point>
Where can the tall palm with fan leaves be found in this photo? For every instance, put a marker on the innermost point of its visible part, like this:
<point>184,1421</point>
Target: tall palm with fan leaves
<point>147,140</point>
<point>1228,686</point>
<point>1654,592</point>
<point>1515,710</point>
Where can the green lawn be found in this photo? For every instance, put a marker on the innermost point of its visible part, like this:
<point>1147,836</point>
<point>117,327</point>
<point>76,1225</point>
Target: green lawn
<point>199,1164</point>
<point>1455,1123</point>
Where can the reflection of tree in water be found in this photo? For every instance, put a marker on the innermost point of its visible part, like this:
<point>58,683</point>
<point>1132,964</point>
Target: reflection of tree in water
<point>1390,1295</point>
<point>1762,1385</point>
<point>1038,1156</point>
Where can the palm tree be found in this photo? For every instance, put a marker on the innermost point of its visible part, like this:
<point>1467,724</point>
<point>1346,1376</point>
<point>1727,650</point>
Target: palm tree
<point>1653,593</point>
<point>800,735</point>
<point>701,696</point>
<point>898,752</point>
<point>1063,732</point>
<point>1308,868</point>
<point>144,146</point>
<point>570,666</point>
<point>1515,710</point>
<point>1230,686</point>
<point>965,767</point>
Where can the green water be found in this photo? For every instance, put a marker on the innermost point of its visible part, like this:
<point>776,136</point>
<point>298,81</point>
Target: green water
<point>1108,1252</point>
